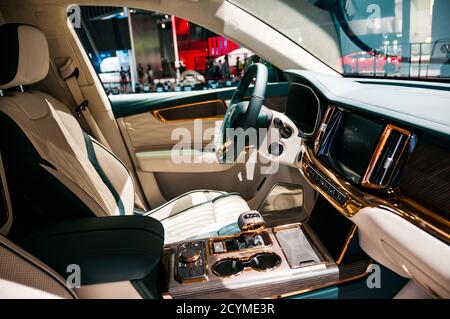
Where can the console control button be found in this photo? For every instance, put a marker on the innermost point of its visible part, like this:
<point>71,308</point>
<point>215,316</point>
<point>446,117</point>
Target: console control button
<point>276,149</point>
<point>330,189</point>
<point>190,255</point>
<point>219,247</point>
<point>277,123</point>
<point>286,132</point>
<point>190,262</point>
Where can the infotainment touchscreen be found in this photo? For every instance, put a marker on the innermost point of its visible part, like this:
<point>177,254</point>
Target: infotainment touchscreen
<point>353,146</point>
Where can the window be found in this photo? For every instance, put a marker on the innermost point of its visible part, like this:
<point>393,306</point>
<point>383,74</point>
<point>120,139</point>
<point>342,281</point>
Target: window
<point>401,38</point>
<point>137,51</point>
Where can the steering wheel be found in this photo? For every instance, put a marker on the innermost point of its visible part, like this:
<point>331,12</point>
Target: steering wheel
<point>242,114</point>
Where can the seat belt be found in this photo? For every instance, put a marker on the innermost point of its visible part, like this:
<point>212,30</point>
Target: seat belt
<point>69,72</point>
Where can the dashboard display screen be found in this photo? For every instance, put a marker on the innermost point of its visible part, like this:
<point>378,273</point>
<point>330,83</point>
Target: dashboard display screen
<point>354,144</point>
<point>303,108</point>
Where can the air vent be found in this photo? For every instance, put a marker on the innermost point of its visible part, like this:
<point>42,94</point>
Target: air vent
<point>386,157</point>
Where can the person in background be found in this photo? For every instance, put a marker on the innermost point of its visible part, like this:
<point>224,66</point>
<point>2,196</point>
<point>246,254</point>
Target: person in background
<point>123,80</point>
<point>211,70</point>
<point>225,69</point>
<point>220,68</point>
<point>239,67</point>
<point>182,66</point>
<point>216,69</point>
<point>150,75</point>
<point>140,74</point>
<point>206,66</point>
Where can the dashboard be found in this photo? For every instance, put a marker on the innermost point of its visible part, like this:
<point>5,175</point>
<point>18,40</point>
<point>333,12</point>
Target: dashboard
<point>357,157</point>
<point>379,152</point>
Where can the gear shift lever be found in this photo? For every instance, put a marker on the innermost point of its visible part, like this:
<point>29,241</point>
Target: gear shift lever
<point>250,221</point>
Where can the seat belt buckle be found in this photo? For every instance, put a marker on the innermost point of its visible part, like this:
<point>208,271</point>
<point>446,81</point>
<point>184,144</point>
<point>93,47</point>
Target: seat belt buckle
<point>80,108</point>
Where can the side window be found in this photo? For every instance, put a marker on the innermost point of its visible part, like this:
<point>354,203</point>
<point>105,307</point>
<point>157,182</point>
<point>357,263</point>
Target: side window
<point>138,51</point>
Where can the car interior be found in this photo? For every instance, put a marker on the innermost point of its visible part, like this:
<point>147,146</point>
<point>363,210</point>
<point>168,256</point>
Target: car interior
<point>351,200</point>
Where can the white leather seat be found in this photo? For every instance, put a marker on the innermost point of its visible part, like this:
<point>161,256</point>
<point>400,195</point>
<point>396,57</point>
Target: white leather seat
<point>207,213</point>
<point>61,172</point>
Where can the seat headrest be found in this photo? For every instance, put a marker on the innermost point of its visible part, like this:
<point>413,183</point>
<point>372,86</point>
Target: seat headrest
<point>24,57</point>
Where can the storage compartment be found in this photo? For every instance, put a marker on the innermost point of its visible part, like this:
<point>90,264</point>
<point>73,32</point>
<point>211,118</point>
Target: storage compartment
<point>297,248</point>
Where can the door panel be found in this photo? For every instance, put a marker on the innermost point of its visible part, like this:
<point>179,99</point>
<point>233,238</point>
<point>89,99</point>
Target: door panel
<point>150,119</point>
<point>162,161</point>
<point>146,132</point>
<point>207,110</point>
<point>147,122</point>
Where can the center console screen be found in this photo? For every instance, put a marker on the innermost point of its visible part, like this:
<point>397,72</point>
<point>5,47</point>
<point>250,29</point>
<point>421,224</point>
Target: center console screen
<point>351,145</point>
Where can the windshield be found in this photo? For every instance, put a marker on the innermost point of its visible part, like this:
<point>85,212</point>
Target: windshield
<point>404,39</point>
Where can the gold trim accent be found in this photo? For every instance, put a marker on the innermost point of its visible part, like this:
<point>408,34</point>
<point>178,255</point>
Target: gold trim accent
<point>357,199</point>
<point>420,216</point>
<point>365,181</point>
<point>194,258</point>
<point>346,244</point>
<point>323,126</point>
<point>424,210</point>
<point>286,226</point>
<point>251,228</point>
<point>157,115</point>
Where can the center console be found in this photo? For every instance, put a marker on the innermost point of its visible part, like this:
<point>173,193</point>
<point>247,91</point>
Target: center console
<point>258,262</point>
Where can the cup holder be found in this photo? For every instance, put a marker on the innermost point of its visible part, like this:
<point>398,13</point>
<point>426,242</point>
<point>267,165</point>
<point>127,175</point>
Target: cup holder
<point>229,267</point>
<point>265,262</point>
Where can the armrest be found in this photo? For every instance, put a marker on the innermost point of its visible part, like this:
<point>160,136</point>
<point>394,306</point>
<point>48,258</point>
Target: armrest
<point>163,161</point>
<point>107,249</point>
